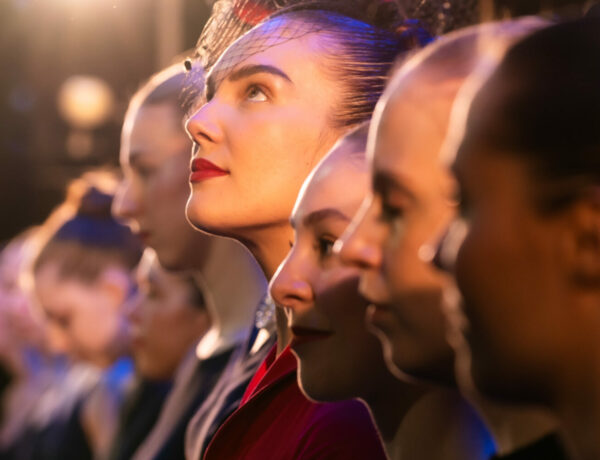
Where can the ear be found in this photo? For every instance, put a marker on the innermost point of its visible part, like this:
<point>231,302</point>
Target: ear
<point>585,239</point>
<point>116,284</point>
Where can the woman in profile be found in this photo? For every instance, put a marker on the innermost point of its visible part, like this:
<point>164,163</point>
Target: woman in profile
<point>529,265</point>
<point>275,102</point>
<point>342,359</point>
<point>81,279</point>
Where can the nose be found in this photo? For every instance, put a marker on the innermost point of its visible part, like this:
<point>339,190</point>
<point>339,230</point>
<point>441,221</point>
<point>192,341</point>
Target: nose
<point>132,308</point>
<point>449,245</point>
<point>290,287</point>
<point>203,125</point>
<point>58,341</point>
<point>358,246</point>
<point>126,204</point>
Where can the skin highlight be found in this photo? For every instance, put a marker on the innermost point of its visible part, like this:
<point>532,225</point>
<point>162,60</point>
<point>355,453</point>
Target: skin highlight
<point>241,127</point>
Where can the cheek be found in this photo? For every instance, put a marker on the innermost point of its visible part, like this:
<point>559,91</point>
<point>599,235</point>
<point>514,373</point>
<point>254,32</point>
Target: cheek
<point>146,315</point>
<point>278,150</point>
<point>404,268</point>
<point>488,255</point>
<point>95,328</point>
<point>169,192</point>
<point>338,298</point>
<point>168,317</point>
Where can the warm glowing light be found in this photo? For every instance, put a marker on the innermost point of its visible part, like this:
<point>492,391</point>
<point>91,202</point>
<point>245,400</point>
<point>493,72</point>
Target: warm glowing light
<point>85,102</point>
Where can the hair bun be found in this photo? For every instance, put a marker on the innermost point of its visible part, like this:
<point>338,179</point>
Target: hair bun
<point>95,204</point>
<point>413,34</point>
<point>383,14</point>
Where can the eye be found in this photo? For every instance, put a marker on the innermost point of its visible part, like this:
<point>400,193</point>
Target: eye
<point>153,293</point>
<point>144,171</point>
<point>324,246</point>
<point>254,93</point>
<point>390,212</point>
<point>462,203</point>
<point>62,321</point>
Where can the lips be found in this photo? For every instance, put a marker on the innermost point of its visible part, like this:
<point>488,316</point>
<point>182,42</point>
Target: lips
<point>381,316</point>
<point>302,335</point>
<point>144,236</point>
<point>136,337</point>
<point>203,169</point>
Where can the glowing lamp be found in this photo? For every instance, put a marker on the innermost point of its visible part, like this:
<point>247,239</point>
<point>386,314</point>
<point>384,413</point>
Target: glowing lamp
<point>85,102</point>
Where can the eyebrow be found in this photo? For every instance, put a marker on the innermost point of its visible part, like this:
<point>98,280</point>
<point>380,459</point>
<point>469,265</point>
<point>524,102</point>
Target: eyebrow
<point>136,158</point>
<point>316,217</point>
<point>243,72</point>
<point>383,182</point>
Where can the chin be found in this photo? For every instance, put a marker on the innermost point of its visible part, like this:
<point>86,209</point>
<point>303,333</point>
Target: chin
<point>173,262</point>
<point>437,370</point>
<point>205,218</point>
<point>322,391</point>
<point>509,384</point>
<point>101,361</point>
<point>318,388</point>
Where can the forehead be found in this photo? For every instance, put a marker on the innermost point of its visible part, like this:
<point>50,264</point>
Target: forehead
<point>149,118</point>
<point>280,39</point>
<point>412,125</point>
<point>150,129</point>
<point>338,182</point>
<point>55,292</point>
<point>11,259</point>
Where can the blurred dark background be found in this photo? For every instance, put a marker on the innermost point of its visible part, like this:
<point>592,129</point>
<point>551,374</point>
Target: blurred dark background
<point>113,45</point>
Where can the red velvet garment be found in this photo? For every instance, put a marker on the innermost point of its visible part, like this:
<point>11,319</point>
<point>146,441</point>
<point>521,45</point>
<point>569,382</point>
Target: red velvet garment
<point>276,421</point>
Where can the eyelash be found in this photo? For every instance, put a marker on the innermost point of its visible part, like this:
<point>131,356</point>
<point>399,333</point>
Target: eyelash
<point>254,87</point>
<point>389,213</point>
<point>144,171</point>
<point>324,246</point>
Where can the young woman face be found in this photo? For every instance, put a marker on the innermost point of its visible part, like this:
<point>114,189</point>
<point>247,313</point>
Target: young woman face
<point>511,269</point>
<point>264,126</point>
<point>391,239</point>
<point>164,321</point>
<point>325,311</point>
<point>155,160</point>
<point>85,320</point>
<point>20,326</point>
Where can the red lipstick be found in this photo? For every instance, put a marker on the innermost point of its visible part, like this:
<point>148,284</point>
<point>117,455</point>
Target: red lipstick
<point>302,335</point>
<point>144,236</point>
<point>203,169</point>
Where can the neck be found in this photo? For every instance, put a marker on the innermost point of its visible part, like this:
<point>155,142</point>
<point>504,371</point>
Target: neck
<point>442,414</point>
<point>514,427</point>
<point>578,407</point>
<point>270,245</point>
<point>231,310</point>
<point>389,404</point>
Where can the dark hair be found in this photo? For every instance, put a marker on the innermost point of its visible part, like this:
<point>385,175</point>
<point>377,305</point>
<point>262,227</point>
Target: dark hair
<point>360,55</point>
<point>365,39</point>
<point>542,105</point>
<point>90,239</point>
<point>230,19</point>
<point>522,8</point>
